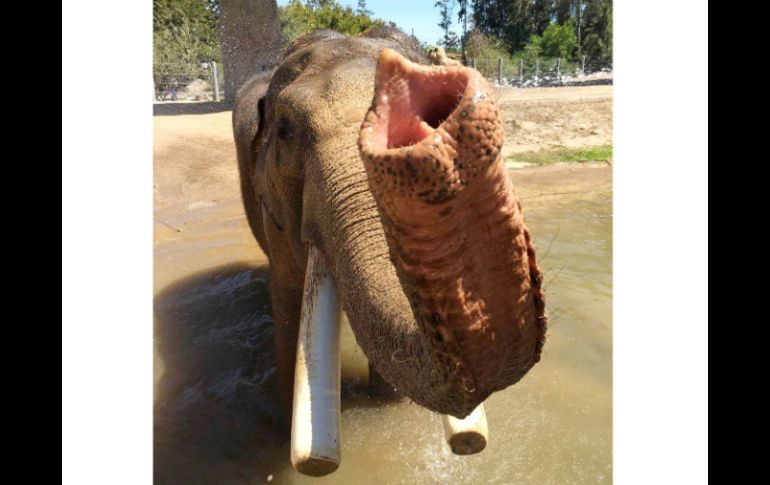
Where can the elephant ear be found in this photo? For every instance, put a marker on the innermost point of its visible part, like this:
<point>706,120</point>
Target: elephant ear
<point>248,126</point>
<point>248,113</point>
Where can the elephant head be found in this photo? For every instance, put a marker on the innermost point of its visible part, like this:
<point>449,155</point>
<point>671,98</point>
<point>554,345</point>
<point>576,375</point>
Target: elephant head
<point>391,167</point>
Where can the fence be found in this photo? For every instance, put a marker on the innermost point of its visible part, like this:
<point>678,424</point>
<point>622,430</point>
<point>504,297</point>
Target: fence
<point>534,72</point>
<point>205,81</point>
<point>188,82</point>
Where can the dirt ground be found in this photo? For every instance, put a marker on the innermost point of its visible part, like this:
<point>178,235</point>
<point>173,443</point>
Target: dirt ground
<point>545,118</point>
<point>198,218</point>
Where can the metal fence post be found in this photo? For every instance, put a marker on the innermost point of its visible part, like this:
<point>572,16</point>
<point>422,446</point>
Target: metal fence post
<point>537,71</point>
<point>521,71</point>
<point>583,65</point>
<point>500,71</point>
<point>215,80</point>
<point>473,63</point>
<point>558,69</point>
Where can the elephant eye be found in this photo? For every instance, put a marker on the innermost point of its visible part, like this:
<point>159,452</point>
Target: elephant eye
<point>283,130</point>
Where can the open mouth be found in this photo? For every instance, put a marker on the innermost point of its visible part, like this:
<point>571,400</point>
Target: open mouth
<point>414,100</point>
<point>431,130</point>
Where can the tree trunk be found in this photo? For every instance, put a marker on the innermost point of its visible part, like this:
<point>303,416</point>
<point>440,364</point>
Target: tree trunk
<point>250,35</point>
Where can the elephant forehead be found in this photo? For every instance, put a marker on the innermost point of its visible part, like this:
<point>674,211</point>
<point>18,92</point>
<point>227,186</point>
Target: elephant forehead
<point>340,95</point>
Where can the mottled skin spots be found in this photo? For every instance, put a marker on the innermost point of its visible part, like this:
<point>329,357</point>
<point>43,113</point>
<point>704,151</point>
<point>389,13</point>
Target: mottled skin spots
<point>422,233</point>
<point>450,155</point>
<point>452,221</point>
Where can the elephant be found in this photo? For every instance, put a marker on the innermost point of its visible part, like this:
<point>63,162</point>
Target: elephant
<point>390,166</point>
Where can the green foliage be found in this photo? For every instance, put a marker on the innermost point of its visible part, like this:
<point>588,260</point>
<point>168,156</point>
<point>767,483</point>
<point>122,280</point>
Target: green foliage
<point>488,51</point>
<point>511,21</point>
<point>521,26</point>
<point>563,10</point>
<point>184,36</point>
<point>184,31</point>
<point>298,18</point>
<point>556,41</point>
<point>597,29</point>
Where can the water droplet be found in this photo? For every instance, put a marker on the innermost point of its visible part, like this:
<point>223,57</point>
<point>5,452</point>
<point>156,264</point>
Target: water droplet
<point>478,96</point>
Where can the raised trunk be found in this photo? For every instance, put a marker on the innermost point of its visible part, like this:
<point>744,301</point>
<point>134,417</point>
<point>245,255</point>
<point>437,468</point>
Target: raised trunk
<point>431,146</point>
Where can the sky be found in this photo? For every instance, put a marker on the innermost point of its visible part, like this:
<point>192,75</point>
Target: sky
<point>419,15</point>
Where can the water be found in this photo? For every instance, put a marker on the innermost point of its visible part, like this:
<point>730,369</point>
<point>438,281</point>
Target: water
<point>215,406</point>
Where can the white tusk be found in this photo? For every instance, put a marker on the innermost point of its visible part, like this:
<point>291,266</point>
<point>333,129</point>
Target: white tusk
<point>467,436</point>
<point>315,427</point>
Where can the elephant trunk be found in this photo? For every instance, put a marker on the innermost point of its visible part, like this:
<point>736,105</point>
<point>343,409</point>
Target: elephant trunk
<point>454,227</point>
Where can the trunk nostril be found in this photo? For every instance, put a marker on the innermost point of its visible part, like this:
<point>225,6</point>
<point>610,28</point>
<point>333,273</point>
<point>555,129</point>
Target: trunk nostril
<point>441,107</point>
<point>431,130</point>
<point>412,100</point>
<point>416,105</point>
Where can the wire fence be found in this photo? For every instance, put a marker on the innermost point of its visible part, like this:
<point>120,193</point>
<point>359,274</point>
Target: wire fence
<point>534,72</point>
<point>178,82</point>
<point>188,82</point>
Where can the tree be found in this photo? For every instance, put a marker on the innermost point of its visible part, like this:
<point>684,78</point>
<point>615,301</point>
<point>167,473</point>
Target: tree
<point>507,20</point>
<point>566,9</point>
<point>451,42</point>
<point>597,29</point>
<point>362,10</point>
<point>297,18</point>
<point>184,35</point>
<point>184,31</point>
<point>462,15</point>
<point>313,4</point>
<point>556,41</point>
<point>539,14</point>
<point>563,10</point>
<point>445,22</point>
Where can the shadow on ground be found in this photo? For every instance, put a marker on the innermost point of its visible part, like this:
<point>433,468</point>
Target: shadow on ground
<point>216,416</point>
<point>170,109</point>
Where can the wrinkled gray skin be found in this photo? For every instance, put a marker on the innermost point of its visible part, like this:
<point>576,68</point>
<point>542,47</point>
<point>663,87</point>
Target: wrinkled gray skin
<point>303,182</point>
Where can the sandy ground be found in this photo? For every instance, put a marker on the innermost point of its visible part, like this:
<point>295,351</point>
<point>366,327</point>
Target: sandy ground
<point>196,197</point>
<point>545,118</point>
<point>197,201</point>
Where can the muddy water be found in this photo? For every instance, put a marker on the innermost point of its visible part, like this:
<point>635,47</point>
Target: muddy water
<point>215,406</point>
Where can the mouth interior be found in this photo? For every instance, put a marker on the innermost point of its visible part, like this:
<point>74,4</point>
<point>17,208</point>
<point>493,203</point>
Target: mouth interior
<point>417,103</point>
